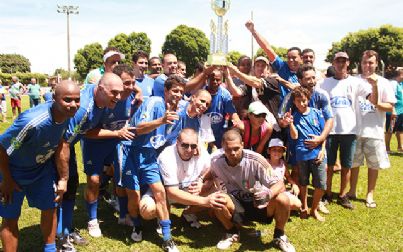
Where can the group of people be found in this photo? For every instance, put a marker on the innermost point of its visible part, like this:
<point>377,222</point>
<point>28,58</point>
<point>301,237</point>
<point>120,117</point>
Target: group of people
<point>221,141</point>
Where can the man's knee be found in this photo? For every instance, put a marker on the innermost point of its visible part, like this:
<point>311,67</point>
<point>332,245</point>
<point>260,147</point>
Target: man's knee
<point>281,202</point>
<point>93,182</point>
<point>148,208</point>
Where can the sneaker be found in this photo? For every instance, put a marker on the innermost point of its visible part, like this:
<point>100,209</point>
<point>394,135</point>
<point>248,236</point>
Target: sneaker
<point>227,241</point>
<point>322,208</point>
<point>77,239</point>
<point>283,244</point>
<point>127,221</point>
<point>64,245</point>
<point>93,228</point>
<point>170,246</point>
<point>158,229</point>
<point>327,199</point>
<point>137,234</point>
<point>192,220</point>
<point>345,202</point>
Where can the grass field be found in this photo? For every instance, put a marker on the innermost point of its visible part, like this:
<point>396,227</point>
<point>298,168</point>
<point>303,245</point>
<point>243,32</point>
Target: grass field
<point>362,229</point>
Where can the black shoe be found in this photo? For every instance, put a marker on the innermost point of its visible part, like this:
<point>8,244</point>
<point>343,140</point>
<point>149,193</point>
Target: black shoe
<point>327,199</point>
<point>76,238</point>
<point>345,202</point>
<point>170,246</point>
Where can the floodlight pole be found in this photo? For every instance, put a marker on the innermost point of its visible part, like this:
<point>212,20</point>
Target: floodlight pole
<point>68,10</point>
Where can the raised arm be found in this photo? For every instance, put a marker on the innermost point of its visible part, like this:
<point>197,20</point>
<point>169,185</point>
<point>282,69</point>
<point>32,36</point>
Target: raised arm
<point>262,42</point>
<point>247,79</point>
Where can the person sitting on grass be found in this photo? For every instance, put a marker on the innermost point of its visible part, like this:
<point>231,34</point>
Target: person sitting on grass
<point>304,123</point>
<point>276,152</point>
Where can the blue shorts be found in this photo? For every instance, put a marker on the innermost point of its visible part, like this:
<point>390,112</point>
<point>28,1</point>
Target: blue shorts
<point>139,166</point>
<point>118,165</point>
<point>318,173</point>
<point>96,154</point>
<point>40,194</point>
<point>347,145</point>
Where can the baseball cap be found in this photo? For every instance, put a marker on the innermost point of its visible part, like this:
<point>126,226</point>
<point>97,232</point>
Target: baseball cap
<point>276,142</point>
<point>112,53</point>
<point>341,55</point>
<point>257,108</point>
<point>261,58</point>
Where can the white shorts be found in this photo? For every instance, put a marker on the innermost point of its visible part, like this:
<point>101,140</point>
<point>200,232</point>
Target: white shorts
<point>374,151</point>
<point>3,107</point>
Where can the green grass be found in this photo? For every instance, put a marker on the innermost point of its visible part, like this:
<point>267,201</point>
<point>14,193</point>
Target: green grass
<point>362,229</point>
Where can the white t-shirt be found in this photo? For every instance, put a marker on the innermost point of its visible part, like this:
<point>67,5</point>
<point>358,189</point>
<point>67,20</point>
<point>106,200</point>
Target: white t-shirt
<point>371,121</point>
<point>177,172</point>
<point>343,96</point>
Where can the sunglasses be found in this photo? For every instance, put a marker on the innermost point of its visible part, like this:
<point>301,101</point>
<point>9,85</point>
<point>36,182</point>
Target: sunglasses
<point>260,115</point>
<point>186,146</point>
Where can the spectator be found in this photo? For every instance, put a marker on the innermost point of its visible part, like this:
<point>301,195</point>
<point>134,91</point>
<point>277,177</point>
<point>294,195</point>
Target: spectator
<point>34,93</point>
<point>3,104</point>
<point>16,90</point>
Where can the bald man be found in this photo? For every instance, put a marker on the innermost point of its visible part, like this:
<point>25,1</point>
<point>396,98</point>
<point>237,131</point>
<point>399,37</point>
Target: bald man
<point>26,148</point>
<point>95,99</point>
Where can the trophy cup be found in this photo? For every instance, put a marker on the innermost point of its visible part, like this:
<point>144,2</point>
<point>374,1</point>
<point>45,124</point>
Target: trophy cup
<point>219,34</point>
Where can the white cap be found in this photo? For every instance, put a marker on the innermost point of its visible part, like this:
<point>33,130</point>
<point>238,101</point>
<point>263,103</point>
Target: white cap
<point>111,53</point>
<point>276,142</point>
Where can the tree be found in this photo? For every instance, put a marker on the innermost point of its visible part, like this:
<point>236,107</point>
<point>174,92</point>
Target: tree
<point>65,74</point>
<point>280,51</point>
<point>386,40</point>
<point>129,44</point>
<point>189,44</point>
<point>233,57</point>
<point>12,63</point>
<point>88,58</point>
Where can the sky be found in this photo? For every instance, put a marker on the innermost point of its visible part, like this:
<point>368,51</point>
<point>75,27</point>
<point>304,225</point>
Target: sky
<point>35,29</point>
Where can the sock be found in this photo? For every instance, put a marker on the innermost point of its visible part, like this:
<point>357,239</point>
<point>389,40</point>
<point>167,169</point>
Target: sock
<point>278,233</point>
<point>59,230</point>
<point>136,221</point>
<point>92,208</point>
<point>50,247</point>
<point>166,229</point>
<point>66,217</point>
<point>123,207</point>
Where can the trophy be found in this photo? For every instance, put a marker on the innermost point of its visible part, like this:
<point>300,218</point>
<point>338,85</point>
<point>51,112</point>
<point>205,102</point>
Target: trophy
<point>219,34</point>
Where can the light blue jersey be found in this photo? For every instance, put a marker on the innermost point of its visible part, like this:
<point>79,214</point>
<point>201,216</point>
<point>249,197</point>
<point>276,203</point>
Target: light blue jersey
<point>146,85</point>
<point>284,71</point>
<point>158,88</point>
<point>30,142</point>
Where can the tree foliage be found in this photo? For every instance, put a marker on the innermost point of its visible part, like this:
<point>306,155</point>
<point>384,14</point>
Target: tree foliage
<point>13,63</point>
<point>280,51</point>
<point>233,57</point>
<point>129,44</point>
<point>189,44</point>
<point>24,78</point>
<point>88,58</point>
<point>386,40</point>
<point>65,74</point>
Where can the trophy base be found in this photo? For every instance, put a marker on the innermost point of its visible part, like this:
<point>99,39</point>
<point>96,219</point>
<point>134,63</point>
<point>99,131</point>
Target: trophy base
<point>217,59</point>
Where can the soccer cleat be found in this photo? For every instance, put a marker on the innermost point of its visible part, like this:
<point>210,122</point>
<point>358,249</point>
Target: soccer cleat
<point>227,241</point>
<point>170,246</point>
<point>77,239</point>
<point>137,234</point>
<point>93,228</point>
<point>283,244</point>
<point>64,245</point>
<point>192,220</point>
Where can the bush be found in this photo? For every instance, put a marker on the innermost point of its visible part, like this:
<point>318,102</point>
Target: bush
<point>25,78</point>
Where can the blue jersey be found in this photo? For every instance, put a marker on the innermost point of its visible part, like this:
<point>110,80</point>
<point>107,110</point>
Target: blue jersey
<point>31,141</point>
<point>306,124</point>
<point>221,104</point>
<point>319,100</point>
<point>165,135</point>
<point>146,85</point>
<point>48,96</point>
<point>189,122</point>
<point>158,88</point>
<point>284,71</point>
<point>87,117</point>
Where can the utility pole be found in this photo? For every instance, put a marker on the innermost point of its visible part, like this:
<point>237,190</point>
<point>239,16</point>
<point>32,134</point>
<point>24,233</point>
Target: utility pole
<point>251,40</point>
<point>68,9</point>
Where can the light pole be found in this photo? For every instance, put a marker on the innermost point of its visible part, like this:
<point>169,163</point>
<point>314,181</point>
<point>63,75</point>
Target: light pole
<point>68,9</point>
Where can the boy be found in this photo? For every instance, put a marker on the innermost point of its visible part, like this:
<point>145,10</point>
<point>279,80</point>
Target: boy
<point>305,123</point>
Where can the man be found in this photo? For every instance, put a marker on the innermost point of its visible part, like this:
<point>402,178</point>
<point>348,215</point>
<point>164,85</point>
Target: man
<point>194,110</point>
<point>140,63</point>
<point>112,57</point>
<point>26,167</point>
<point>239,171</point>
<point>16,90</point>
<point>95,98</point>
<point>3,104</point>
<point>308,58</point>
<point>154,67</point>
<point>99,145</point>
<point>169,66</point>
<point>157,125</point>
<point>34,93</point>
<point>182,169</point>
<point>222,110</point>
<point>343,91</point>
<point>288,70</point>
<point>182,69</point>
<point>370,122</point>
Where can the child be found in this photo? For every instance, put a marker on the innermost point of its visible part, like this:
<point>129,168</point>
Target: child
<point>276,152</point>
<point>304,123</point>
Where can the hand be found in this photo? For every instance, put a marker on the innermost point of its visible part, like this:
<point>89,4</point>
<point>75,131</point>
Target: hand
<point>320,157</point>
<point>238,124</point>
<point>226,73</point>
<point>232,69</point>
<point>195,187</point>
<point>373,79</point>
<point>314,142</point>
<point>262,193</point>
<point>7,187</point>
<point>288,118</point>
<point>216,200</point>
<point>295,189</point>
<point>138,99</point>
<point>126,133</point>
<point>170,116</point>
<point>250,26</point>
<point>208,70</point>
<point>60,190</point>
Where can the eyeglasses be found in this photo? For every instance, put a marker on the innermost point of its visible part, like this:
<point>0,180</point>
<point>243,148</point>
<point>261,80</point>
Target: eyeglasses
<point>186,146</point>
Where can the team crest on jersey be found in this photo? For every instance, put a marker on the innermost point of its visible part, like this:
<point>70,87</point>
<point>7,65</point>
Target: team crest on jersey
<point>157,141</point>
<point>215,117</point>
<point>144,116</point>
<point>15,143</point>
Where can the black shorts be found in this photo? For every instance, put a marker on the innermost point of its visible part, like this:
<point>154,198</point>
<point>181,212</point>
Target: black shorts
<point>398,127</point>
<point>245,211</point>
